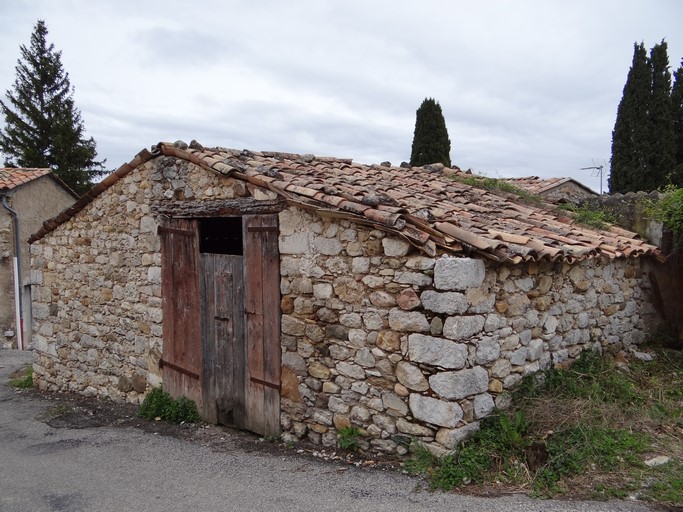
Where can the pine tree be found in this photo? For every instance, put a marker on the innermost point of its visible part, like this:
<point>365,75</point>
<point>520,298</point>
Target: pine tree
<point>430,140</point>
<point>677,115</point>
<point>43,128</point>
<point>630,138</point>
<point>662,147</point>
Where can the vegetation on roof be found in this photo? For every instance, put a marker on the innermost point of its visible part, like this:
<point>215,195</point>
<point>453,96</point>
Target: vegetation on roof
<point>499,185</point>
<point>587,216</point>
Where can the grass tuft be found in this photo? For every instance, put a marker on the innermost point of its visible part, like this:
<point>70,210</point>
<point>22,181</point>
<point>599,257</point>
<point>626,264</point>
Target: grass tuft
<point>22,379</point>
<point>159,404</point>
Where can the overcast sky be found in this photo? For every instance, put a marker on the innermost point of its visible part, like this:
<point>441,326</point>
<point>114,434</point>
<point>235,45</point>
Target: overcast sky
<point>527,88</point>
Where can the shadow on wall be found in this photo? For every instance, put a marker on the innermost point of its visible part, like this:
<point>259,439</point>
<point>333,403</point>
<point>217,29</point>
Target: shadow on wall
<point>666,279</point>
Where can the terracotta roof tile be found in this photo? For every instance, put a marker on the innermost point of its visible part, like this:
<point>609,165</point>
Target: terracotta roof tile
<point>11,177</point>
<point>432,210</point>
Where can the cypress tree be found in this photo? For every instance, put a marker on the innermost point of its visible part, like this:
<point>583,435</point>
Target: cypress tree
<point>43,128</point>
<point>430,140</point>
<point>662,147</point>
<point>630,161</point>
<point>677,115</point>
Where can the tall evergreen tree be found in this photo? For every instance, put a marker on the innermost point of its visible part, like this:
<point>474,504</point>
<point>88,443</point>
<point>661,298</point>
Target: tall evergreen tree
<point>43,128</point>
<point>630,138</point>
<point>662,146</point>
<point>677,115</point>
<point>430,140</point>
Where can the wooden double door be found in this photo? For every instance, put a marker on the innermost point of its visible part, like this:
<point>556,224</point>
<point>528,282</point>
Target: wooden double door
<point>221,318</point>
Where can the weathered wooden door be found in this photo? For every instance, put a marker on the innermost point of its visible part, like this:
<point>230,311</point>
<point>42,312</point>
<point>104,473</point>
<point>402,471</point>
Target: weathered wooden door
<point>262,293</point>
<point>222,323</point>
<point>182,358</point>
<point>223,345</point>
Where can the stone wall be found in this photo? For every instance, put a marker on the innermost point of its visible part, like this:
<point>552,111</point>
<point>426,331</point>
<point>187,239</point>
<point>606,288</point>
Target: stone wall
<point>374,335</point>
<point>97,284</point>
<point>408,347</point>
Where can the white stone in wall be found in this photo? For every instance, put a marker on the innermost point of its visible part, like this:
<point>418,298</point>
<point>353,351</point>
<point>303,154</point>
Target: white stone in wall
<point>292,326</point>
<point>394,247</point>
<point>394,405</point>
<point>518,357</point>
<point>351,320</point>
<point>436,351</point>
<point>373,321</point>
<point>295,362</point>
<point>420,263</point>
<point>364,358</point>
<point>351,370</point>
<point>411,376</point>
<point>501,369</point>
<point>450,438</point>
<point>296,243</point>
<point>434,411</point>
<point>449,303</point>
<point>413,429</point>
<point>360,265</point>
<point>488,350</point>
<point>483,405</point>
<point>322,290</point>
<point>415,278</point>
<point>408,321</point>
<point>550,325</point>
<point>338,405</point>
<point>458,273</point>
<point>535,350</point>
<point>327,246</point>
<point>463,327</point>
<point>460,384</point>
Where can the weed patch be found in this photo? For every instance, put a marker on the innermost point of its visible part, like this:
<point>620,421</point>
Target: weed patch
<point>498,185</point>
<point>22,379</point>
<point>349,438</point>
<point>589,427</point>
<point>586,216</point>
<point>159,404</point>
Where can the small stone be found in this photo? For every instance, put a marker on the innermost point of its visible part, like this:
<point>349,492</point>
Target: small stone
<point>408,300</point>
<point>411,377</point>
<point>389,341</point>
<point>408,321</point>
<point>657,461</point>
<point>401,390</point>
<point>318,370</point>
<point>394,247</point>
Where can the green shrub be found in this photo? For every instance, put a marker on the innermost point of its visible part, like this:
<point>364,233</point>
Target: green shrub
<point>25,381</point>
<point>349,438</point>
<point>159,404</point>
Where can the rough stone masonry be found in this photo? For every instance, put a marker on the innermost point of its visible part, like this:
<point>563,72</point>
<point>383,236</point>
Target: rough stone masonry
<point>374,335</point>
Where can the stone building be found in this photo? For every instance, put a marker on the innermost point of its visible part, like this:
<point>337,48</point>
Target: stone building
<point>27,198</point>
<point>297,294</point>
<point>555,190</point>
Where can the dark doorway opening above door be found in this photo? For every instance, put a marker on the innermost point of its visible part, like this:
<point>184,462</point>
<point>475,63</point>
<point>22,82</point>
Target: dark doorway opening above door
<point>221,236</point>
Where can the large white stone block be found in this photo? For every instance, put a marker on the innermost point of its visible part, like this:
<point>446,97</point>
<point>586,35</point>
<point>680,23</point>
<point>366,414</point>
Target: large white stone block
<point>458,273</point>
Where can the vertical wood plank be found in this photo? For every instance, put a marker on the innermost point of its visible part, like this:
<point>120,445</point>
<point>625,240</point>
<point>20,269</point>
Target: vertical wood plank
<point>271,323</point>
<point>223,338</point>
<point>262,283</point>
<point>237,342</point>
<point>181,308</point>
<point>253,271</point>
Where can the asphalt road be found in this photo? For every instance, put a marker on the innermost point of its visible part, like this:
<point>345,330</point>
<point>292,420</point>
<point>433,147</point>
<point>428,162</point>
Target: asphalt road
<point>128,469</point>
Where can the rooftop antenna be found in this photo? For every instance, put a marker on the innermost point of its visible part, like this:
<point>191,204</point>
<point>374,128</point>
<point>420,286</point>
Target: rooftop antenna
<point>597,171</point>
